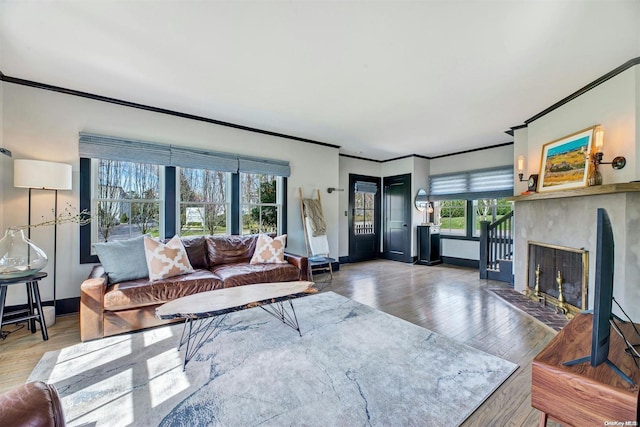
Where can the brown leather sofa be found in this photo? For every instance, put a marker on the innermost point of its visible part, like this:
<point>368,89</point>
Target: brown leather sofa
<point>219,262</point>
<point>31,404</point>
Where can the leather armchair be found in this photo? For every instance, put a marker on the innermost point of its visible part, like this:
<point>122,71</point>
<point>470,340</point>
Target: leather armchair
<point>32,404</point>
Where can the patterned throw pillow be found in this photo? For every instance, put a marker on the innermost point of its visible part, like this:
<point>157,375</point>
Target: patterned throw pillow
<point>166,260</point>
<point>269,251</point>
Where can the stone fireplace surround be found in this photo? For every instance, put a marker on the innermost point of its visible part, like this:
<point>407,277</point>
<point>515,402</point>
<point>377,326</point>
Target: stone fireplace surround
<point>568,218</point>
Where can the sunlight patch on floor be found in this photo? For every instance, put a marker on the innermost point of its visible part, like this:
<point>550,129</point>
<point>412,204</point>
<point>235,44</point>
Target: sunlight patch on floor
<point>163,387</point>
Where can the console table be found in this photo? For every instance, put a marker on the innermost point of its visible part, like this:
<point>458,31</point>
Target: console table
<point>33,295</point>
<point>581,395</point>
<point>428,246</point>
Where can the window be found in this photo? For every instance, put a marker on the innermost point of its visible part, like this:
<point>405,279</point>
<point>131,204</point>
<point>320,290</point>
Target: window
<point>363,220</point>
<point>462,198</point>
<point>451,216</point>
<point>137,187</point>
<point>489,210</point>
<point>261,200</point>
<point>204,206</point>
<point>127,200</point>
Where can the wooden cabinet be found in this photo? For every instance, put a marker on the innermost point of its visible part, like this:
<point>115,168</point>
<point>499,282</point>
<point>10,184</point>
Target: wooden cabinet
<point>428,246</point>
<point>581,395</point>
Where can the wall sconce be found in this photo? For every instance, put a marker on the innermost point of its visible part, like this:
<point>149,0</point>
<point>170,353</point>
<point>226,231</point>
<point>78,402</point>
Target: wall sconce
<point>595,177</point>
<point>332,189</point>
<point>521,168</point>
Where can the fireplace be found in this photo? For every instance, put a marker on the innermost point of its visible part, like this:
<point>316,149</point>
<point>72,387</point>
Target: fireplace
<point>558,276</point>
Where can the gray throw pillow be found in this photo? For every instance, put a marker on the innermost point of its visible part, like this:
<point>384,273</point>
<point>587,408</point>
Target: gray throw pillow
<point>123,259</point>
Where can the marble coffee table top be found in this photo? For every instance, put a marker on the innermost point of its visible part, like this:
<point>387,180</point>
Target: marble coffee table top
<point>220,301</point>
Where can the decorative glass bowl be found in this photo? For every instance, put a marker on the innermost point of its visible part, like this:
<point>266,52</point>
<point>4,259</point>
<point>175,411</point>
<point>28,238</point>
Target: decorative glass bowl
<point>19,256</point>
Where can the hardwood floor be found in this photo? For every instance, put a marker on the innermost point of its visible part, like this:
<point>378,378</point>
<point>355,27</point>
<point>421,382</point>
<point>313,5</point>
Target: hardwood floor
<point>448,300</point>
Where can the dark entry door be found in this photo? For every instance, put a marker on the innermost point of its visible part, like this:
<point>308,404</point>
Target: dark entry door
<point>364,217</point>
<point>397,218</point>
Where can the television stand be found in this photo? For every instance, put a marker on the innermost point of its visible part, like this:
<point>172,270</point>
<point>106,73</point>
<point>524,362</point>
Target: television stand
<point>608,362</point>
<point>583,395</point>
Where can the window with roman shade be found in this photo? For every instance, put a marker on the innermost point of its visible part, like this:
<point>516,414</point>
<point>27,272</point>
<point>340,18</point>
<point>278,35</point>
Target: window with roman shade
<point>164,189</point>
<point>471,185</point>
<point>458,196</point>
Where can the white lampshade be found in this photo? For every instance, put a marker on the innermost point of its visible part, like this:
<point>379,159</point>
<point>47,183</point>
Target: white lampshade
<point>41,174</point>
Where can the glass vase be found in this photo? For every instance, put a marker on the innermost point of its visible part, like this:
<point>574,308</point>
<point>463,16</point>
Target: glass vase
<point>19,256</point>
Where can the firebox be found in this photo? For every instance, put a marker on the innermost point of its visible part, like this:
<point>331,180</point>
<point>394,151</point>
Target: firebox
<point>558,276</point>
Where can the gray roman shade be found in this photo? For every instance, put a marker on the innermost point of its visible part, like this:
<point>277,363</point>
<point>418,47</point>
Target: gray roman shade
<point>366,187</point>
<point>260,165</point>
<point>471,185</point>
<point>130,150</point>
<point>203,159</point>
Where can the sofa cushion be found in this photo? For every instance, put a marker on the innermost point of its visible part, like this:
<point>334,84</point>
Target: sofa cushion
<point>196,247</point>
<point>166,260</point>
<point>142,292</point>
<point>269,250</point>
<point>230,249</point>
<point>243,273</point>
<point>123,259</point>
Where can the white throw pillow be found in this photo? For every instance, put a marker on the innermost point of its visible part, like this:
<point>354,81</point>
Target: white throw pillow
<point>166,260</point>
<point>269,251</point>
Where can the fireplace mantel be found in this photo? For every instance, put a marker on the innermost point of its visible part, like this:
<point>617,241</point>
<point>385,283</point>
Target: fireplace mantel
<point>568,218</point>
<point>624,187</point>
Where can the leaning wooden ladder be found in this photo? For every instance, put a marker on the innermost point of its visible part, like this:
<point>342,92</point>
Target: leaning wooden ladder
<point>320,264</point>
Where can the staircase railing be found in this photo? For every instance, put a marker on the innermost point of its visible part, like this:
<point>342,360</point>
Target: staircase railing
<point>496,244</point>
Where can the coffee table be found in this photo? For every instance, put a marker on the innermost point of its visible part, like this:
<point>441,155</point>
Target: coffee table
<point>208,309</point>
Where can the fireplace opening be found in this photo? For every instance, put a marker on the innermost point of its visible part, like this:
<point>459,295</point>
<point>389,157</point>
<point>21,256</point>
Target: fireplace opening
<point>558,276</point>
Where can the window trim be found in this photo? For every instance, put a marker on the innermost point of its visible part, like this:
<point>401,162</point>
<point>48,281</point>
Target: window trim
<point>465,232</point>
<point>179,202</point>
<point>170,209</point>
<point>279,204</point>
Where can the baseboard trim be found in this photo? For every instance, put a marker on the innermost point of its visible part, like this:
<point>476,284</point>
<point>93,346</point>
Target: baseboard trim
<point>63,306</point>
<point>461,262</point>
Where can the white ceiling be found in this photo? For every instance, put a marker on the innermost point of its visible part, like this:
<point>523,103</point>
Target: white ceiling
<point>381,79</point>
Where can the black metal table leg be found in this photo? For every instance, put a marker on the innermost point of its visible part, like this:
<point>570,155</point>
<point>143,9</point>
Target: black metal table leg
<point>32,322</point>
<point>40,317</point>
<point>3,298</point>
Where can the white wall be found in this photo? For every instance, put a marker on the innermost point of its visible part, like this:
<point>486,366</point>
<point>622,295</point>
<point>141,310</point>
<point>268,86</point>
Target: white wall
<point>41,125</point>
<point>4,163</point>
<point>419,180</point>
<point>531,164</point>
<point>611,104</point>
<point>482,159</point>
<point>615,104</point>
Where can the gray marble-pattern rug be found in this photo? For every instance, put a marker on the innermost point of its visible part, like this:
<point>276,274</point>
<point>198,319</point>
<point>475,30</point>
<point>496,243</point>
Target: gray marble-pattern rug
<point>353,365</point>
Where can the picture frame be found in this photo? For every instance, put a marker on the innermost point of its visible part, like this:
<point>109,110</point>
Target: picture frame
<point>564,162</point>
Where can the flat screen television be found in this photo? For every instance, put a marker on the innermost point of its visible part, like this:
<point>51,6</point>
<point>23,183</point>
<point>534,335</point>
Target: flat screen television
<point>602,302</point>
<point>603,297</point>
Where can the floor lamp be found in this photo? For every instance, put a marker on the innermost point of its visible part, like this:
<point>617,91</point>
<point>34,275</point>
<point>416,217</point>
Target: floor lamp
<point>43,175</point>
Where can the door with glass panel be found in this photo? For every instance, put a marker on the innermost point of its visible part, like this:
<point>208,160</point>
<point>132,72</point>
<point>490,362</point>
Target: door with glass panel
<point>364,217</point>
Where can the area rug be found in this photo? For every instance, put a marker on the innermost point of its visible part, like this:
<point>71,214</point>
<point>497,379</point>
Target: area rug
<point>353,365</point>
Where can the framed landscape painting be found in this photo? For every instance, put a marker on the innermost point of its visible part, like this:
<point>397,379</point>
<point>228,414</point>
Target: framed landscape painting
<point>565,162</point>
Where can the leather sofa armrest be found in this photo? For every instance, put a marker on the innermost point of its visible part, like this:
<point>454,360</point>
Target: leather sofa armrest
<point>300,261</point>
<point>32,404</point>
<point>91,304</point>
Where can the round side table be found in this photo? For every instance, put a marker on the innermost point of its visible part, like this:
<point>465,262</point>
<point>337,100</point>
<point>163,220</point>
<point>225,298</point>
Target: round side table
<point>33,295</point>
